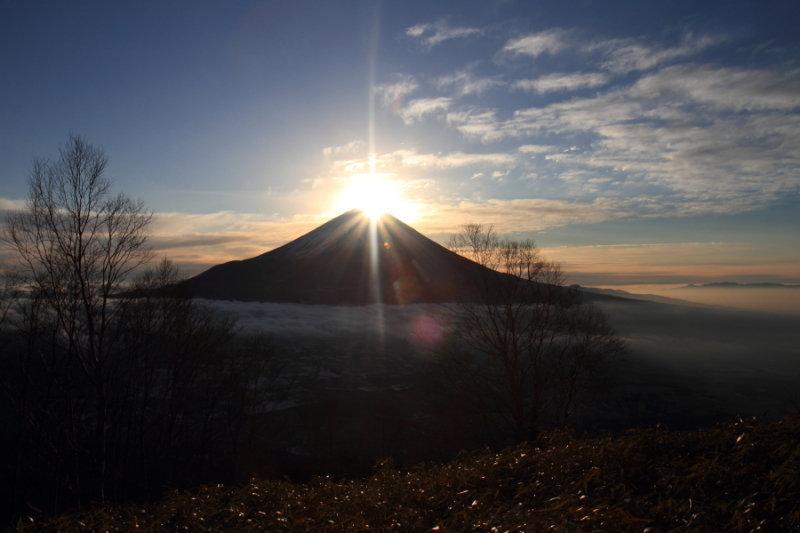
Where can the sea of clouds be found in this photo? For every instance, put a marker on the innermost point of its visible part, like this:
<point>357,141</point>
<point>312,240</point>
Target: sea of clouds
<point>726,340</point>
<point>422,325</point>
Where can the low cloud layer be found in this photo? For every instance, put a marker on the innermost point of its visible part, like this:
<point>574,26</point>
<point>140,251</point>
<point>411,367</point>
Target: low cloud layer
<point>725,353</point>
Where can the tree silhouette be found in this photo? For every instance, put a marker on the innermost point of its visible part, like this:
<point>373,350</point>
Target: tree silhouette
<point>77,243</point>
<point>527,350</point>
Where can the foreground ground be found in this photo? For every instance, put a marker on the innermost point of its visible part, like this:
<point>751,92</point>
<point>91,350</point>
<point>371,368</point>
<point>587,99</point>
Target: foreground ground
<point>743,475</point>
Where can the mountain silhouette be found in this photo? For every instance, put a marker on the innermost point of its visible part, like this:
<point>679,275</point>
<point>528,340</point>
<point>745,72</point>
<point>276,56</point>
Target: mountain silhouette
<point>353,260</point>
<point>350,259</point>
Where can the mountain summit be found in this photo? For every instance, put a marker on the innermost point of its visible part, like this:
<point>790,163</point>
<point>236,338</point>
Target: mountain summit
<point>350,259</point>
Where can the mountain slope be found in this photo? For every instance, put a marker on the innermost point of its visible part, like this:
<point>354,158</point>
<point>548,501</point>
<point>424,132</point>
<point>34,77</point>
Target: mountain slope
<point>333,264</point>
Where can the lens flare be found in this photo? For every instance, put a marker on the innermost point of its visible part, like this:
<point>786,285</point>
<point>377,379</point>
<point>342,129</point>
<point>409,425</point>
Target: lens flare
<point>428,332</point>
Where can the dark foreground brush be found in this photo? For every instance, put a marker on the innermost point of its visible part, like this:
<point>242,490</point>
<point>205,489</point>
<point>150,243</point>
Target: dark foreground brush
<point>740,476</point>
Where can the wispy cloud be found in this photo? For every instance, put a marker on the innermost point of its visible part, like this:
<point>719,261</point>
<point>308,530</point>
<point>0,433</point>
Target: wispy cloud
<point>395,161</point>
<point>724,88</point>
<point>562,82</point>
<point>549,41</point>
<point>417,109</point>
<point>393,93</point>
<point>430,35</point>
<point>537,148</point>
<point>466,83</point>
<point>349,148</point>
<point>516,216</point>
<point>7,204</point>
<point>628,55</point>
<point>198,241</point>
<point>479,124</point>
<point>458,160</point>
<point>696,139</point>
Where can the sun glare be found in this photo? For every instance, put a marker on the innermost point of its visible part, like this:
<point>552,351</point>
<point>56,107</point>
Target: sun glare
<point>375,196</point>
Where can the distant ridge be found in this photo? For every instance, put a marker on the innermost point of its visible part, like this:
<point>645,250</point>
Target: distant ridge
<point>649,298</point>
<point>734,285</point>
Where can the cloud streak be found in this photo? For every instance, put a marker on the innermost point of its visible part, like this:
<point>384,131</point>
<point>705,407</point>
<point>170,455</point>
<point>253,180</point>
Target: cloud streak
<point>431,35</point>
<point>466,83</point>
<point>628,55</point>
<point>550,42</point>
<point>418,109</point>
<point>349,148</point>
<point>562,82</point>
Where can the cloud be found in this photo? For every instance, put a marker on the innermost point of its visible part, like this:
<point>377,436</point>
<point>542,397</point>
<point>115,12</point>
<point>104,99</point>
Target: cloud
<point>6,207</point>
<point>724,88</point>
<point>393,162</point>
<point>659,262</point>
<point>392,94</point>
<point>7,204</point>
<point>536,149</point>
<point>718,350</point>
<point>628,55</point>
<point>516,216</point>
<point>430,35</point>
<point>465,83</point>
<point>548,41</point>
<point>349,148</point>
<point>479,124</point>
<point>457,160</point>
<point>418,109</point>
<point>561,82</point>
<point>198,241</point>
<point>171,242</point>
<point>697,139</point>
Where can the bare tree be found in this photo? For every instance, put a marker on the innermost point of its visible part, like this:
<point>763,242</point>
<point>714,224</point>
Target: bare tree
<point>76,243</point>
<point>110,394</point>
<point>528,350</point>
<point>9,294</point>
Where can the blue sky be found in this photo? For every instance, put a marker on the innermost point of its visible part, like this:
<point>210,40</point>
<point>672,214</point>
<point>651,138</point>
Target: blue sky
<point>637,142</point>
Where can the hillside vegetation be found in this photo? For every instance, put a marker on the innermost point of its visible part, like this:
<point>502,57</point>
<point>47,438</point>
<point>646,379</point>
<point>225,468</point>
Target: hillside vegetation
<point>743,475</point>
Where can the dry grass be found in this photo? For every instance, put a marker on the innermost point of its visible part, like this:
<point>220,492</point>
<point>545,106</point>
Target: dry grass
<point>739,476</point>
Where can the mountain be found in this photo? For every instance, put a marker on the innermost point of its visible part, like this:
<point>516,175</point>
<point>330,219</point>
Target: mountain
<point>333,264</point>
<point>337,263</point>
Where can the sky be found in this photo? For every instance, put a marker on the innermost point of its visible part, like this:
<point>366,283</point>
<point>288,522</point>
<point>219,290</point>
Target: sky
<point>639,143</point>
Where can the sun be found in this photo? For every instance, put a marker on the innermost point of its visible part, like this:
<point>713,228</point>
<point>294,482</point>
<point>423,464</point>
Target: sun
<point>375,195</point>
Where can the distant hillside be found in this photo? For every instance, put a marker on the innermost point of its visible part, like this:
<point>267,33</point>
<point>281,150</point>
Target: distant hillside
<point>734,285</point>
<point>740,476</point>
<point>647,297</point>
